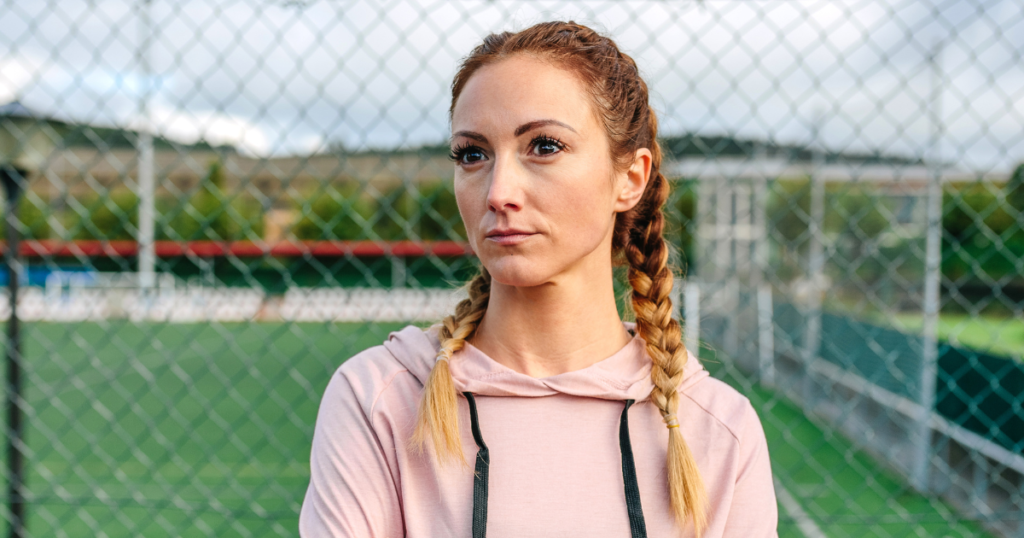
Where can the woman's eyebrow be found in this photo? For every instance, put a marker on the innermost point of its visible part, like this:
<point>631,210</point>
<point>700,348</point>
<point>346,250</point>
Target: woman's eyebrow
<point>519,130</point>
<point>540,123</point>
<point>470,134</point>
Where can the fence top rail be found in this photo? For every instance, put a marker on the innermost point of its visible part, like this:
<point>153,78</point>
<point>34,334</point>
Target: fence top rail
<point>713,169</point>
<point>242,249</point>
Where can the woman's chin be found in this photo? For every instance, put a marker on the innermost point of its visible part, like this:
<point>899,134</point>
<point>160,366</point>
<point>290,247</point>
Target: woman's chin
<point>516,271</point>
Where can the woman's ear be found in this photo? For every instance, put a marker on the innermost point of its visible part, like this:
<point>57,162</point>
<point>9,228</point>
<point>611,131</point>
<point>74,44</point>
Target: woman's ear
<point>634,181</point>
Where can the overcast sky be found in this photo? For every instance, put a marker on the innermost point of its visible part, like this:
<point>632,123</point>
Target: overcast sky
<point>287,77</point>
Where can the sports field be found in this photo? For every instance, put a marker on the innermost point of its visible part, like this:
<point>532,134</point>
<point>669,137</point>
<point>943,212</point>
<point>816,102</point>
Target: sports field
<point>204,430</point>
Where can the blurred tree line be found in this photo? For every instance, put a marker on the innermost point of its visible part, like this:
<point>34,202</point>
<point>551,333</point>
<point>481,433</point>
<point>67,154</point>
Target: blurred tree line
<point>984,232</point>
<point>336,211</point>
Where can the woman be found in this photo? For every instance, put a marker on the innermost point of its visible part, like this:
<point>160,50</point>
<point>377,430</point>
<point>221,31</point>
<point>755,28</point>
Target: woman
<point>579,424</point>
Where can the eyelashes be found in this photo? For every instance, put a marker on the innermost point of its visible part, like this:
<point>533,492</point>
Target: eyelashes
<point>458,154</point>
<point>544,140</point>
<point>547,144</point>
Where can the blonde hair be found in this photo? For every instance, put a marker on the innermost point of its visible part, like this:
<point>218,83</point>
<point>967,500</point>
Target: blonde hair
<point>621,97</point>
<point>437,419</point>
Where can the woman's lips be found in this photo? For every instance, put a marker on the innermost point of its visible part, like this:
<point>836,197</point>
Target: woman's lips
<point>509,237</point>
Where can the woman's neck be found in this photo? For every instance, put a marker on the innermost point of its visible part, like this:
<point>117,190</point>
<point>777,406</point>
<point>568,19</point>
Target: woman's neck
<point>554,328</point>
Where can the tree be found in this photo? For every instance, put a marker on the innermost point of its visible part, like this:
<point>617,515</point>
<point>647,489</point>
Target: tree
<point>111,215</point>
<point>206,215</point>
<point>1015,189</point>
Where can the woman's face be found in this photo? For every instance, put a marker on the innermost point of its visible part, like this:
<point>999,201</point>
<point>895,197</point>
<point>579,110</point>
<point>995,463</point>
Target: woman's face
<point>534,177</point>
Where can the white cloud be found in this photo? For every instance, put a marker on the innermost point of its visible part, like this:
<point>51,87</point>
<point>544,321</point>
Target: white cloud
<point>214,128</point>
<point>16,73</point>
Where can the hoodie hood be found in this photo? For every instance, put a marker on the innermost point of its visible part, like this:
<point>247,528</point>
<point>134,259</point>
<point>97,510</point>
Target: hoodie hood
<point>626,375</point>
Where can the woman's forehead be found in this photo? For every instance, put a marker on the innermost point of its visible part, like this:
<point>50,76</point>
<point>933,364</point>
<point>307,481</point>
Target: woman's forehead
<point>518,90</point>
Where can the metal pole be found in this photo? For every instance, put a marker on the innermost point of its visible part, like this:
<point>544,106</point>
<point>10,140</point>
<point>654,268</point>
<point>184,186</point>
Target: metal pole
<point>933,256</point>
<point>766,335</point>
<point>147,211</point>
<point>728,225</point>
<point>760,281</point>
<point>11,179</point>
<point>691,314</point>
<point>816,261</point>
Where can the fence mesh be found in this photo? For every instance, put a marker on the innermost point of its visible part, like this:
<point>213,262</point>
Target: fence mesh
<point>210,205</point>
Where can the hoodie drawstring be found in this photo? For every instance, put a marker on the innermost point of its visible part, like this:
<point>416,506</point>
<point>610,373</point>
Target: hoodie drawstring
<point>637,527</point>
<point>483,461</point>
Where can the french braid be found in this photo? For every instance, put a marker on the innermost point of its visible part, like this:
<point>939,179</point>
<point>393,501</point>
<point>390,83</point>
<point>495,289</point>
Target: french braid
<point>651,279</point>
<point>438,417</point>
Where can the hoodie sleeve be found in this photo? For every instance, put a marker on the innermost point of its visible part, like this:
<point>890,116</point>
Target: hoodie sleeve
<point>754,512</point>
<point>352,491</point>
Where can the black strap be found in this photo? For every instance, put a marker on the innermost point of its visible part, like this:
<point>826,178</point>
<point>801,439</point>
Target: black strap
<point>483,460</point>
<point>637,527</point>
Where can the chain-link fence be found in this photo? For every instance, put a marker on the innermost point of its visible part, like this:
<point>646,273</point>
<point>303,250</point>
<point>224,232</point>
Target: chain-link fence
<point>210,205</point>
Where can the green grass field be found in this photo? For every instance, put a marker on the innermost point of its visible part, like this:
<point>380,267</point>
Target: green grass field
<point>990,334</point>
<point>1000,336</point>
<point>204,430</point>
<point>175,430</point>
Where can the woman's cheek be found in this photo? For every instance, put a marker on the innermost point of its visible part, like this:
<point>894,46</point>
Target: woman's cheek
<point>581,206</point>
<point>466,199</point>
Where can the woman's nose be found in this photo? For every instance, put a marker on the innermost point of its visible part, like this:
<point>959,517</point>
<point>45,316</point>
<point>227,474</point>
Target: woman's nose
<point>507,184</point>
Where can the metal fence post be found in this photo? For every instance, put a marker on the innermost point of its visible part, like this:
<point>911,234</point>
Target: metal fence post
<point>146,185</point>
<point>11,179</point>
<point>933,256</point>
<point>816,262</point>
<point>691,315</point>
<point>766,335</point>
<point>765,323</point>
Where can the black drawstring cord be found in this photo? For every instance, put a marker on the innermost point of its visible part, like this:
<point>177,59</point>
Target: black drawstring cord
<point>483,461</point>
<point>637,527</point>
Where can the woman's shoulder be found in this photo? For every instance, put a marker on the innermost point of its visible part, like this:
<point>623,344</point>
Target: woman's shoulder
<point>724,405</point>
<point>408,352</point>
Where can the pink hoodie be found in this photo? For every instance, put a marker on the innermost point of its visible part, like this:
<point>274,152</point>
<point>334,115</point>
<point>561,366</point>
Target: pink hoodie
<point>556,469</point>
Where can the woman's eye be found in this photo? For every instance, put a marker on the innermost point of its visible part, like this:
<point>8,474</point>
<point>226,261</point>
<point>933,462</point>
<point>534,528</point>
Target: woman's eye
<point>473,156</point>
<point>547,146</point>
<point>467,155</point>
